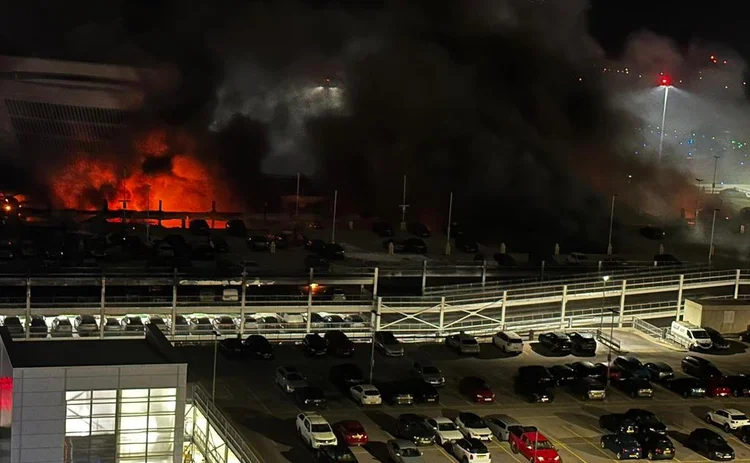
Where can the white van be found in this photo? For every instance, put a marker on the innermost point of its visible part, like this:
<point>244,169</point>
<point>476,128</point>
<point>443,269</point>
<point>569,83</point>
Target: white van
<point>691,336</point>
<point>508,341</point>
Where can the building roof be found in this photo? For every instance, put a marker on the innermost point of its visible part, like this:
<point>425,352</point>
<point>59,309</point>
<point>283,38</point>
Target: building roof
<point>154,349</point>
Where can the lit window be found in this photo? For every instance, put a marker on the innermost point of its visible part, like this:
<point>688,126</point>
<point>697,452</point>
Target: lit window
<point>90,413</point>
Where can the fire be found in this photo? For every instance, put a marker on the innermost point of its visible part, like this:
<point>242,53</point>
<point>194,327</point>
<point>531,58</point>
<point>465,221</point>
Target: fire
<point>164,169</point>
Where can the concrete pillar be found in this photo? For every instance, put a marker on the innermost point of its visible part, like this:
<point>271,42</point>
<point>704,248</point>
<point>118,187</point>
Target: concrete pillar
<point>158,221</point>
<point>622,302</point>
<point>243,302</point>
<point>28,308</point>
<point>737,284</point>
<point>375,283</point>
<point>502,310</point>
<point>308,322</point>
<point>441,321</point>
<point>424,276</point>
<point>563,325</point>
<point>484,272</point>
<point>679,298</point>
<point>102,305</point>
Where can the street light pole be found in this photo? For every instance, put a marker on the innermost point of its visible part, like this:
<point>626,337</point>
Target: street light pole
<point>450,219</point>
<point>698,198</point>
<point>335,205</point>
<point>213,376</point>
<point>665,84</point>
<point>605,278</point>
<point>711,243</point>
<point>716,166</point>
<point>403,207</point>
<point>611,223</point>
<point>296,202</point>
<point>609,353</point>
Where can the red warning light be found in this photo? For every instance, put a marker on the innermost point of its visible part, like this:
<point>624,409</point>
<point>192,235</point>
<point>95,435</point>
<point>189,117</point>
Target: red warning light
<point>665,80</point>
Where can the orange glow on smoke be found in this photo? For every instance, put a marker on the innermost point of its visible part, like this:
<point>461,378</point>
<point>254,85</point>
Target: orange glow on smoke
<point>90,180</point>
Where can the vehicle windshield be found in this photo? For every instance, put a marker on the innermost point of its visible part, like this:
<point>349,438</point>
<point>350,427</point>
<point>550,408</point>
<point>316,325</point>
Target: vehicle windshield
<point>544,445</point>
<point>475,423</point>
<point>447,427</point>
<point>739,417</point>
<point>430,371</point>
<point>410,452</point>
<point>371,392</point>
<point>700,334</point>
<point>717,440</point>
<point>469,341</point>
<point>321,428</point>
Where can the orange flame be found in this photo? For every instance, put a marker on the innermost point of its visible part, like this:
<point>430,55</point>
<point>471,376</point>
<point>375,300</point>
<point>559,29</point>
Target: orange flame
<point>183,183</point>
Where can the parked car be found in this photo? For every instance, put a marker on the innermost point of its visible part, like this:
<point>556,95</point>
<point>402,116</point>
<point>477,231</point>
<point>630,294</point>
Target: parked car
<point>15,326</point>
<point>583,343</point>
<point>331,454</point>
<point>646,421</point>
<point>232,348</point>
<point>314,344</point>
<point>635,387</point>
<point>717,340</point>
<point>403,451</point>
<point>339,344</point>
<point>314,430</point>
<point>716,386</point>
<point>224,324</point>
<point>739,385</point>
<point>236,227</point>
<point>257,346</point>
<point>112,327</point>
<point>422,392</point>
<point>334,251</point>
<point>613,371</point>
<point>687,387</point>
<point>710,445</point>
<point>463,343</point>
<point>532,445</point>
<point>500,426</point>
<point>346,375</point>
<point>350,432</point>
<point>556,342</point>
<point>660,372</point>
<point>310,397</point>
<point>586,369</point>
<point>85,325</point>
<point>444,429</point>
<point>397,393</point>
<point>563,374</point>
<point>476,389</point>
<point>689,335</point>
<point>588,389</point>
<point>631,367</point>
<point>61,326</point>
<point>159,322</point>
<point>624,446</point>
<point>470,450</point>
<point>699,367</point>
<point>366,394</point>
<point>508,342</point>
<point>656,446</point>
<point>382,229</point>
<point>618,423</point>
<point>412,427</point>
<point>743,434</point>
<point>289,378</point>
<point>472,426</point>
<point>387,343</point>
<point>418,229</point>
<point>535,383</point>
<point>730,419</point>
<point>428,373</point>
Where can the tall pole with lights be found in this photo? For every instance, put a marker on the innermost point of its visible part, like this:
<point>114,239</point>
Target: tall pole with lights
<point>711,242</point>
<point>665,82</point>
<point>716,167</point>
<point>611,224</point>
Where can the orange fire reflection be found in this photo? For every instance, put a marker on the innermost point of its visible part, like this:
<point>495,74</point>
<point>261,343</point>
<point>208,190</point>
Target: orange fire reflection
<point>176,177</point>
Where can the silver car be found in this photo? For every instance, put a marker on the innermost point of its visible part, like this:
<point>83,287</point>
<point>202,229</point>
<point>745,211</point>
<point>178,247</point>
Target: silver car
<point>224,324</point>
<point>289,378</point>
<point>61,326</point>
<point>404,451</point>
<point>387,343</point>
<point>86,325</point>
<point>463,343</point>
<point>500,426</point>
<point>112,327</point>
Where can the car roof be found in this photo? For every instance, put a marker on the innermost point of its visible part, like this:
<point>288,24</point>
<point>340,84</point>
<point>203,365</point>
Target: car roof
<point>314,418</point>
<point>505,419</point>
<point>368,387</point>
<point>732,411</point>
<point>511,334</point>
<point>441,419</point>
<point>468,415</point>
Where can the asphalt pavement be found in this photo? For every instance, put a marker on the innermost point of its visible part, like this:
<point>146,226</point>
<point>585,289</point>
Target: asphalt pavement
<point>265,414</point>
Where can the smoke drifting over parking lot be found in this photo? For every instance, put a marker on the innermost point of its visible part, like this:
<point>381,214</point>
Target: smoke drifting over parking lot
<point>497,101</point>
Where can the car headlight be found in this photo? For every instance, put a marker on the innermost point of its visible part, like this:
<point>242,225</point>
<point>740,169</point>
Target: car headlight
<point>540,458</point>
<point>307,401</point>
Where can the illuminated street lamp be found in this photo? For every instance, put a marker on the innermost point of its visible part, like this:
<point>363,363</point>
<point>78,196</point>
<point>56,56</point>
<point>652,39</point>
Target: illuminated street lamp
<point>666,82</point>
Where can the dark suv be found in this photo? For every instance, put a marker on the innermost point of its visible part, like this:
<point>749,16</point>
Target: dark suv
<point>557,342</point>
<point>535,382</point>
<point>588,389</point>
<point>700,367</point>
<point>583,343</point>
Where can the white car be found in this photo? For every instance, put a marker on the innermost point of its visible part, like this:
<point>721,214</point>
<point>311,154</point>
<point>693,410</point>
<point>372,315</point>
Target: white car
<point>61,326</point>
<point>473,427</point>
<point>500,426</point>
<point>366,394</point>
<point>465,344</point>
<point>470,450</point>
<point>444,429</point>
<point>315,430</point>
<point>728,418</point>
<point>508,342</point>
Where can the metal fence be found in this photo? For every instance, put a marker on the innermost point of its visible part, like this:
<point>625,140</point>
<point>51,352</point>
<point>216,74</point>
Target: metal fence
<point>650,330</point>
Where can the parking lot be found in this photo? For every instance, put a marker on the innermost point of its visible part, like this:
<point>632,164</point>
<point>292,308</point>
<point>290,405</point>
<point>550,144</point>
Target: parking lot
<point>246,392</point>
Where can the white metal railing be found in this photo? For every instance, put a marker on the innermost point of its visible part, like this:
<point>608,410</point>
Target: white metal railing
<point>648,329</point>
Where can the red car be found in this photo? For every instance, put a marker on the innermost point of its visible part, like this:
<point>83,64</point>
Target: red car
<point>476,389</point>
<point>532,444</point>
<point>615,373</point>
<point>718,387</point>
<point>352,432</point>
